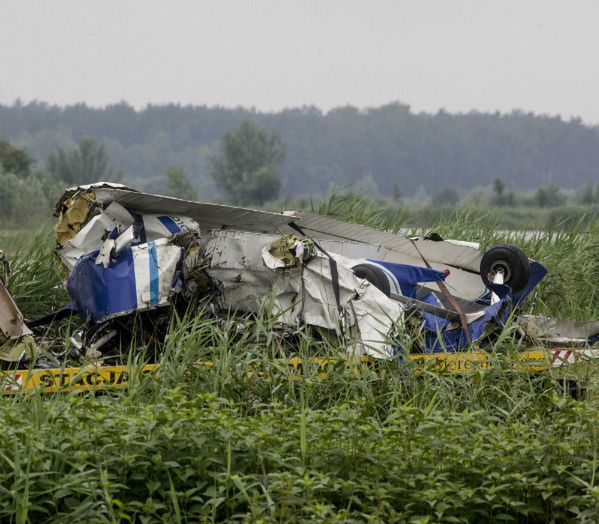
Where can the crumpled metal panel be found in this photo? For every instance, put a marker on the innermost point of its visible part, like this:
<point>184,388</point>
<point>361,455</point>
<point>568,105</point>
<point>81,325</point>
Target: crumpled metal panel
<point>209,216</point>
<point>443,252</point>
<point>236,248</point>
<point>462,262</point>
<point>12,324</point>
<point>560,331</point>
<point>138,278</point>
<point>237,261</point>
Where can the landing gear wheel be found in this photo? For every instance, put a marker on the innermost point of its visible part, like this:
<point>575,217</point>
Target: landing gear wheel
<point>374,275</point>
<point>511,261</point>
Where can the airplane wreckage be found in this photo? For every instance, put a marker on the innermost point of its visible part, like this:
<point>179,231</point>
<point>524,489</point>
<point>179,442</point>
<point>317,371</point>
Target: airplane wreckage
<point>128,259</point>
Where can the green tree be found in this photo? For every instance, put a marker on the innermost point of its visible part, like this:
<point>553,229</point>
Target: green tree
<point>85,164</point>
<point>14,160</point>
<point>178,185</point>
<point>397,193</point>
<point>27,200</point>
<point>499,192</point>
<point>549,196</point>
<point>510,198</point>
<point>245,168</point>
<point>447,196</point>
<point>588,195</point>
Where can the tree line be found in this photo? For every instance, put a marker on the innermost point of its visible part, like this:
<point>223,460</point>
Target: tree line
<point>385,150</point>
<point>245,169</point>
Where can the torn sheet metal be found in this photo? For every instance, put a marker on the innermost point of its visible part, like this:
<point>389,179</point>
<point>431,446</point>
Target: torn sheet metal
<point>70,192</point>
<point>248,270</point>
<point>12,324</point>
<point>372,315</point>
<point>442,334</point>
<point>113,228</point>
<point>553,331</point>
<point>288,251</point>
<point>462,262</point>
<point>237,261</point>
<point>16,340</point>
<point>303,292</point>
<point>121,252</point>
<point>138,278</point>
<point>74,207</point>
<point>117,260</point>
<point>441,325</point>
<point>306,294</point>
<point>361,306</point>
<point>72,217</point>
<point>209,216</point>
<point>484,317</point>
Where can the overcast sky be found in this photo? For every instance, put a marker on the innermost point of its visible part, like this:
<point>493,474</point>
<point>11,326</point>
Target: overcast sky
<point>540,56</point>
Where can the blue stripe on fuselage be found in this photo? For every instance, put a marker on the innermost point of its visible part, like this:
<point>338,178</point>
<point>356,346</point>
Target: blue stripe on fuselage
<point>170,224</point>
<point>153,264</point>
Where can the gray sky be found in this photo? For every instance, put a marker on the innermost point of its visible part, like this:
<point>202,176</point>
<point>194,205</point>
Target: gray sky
<point>539,56</point>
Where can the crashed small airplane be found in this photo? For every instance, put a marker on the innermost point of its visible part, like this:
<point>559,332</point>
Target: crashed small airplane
<point>127,258</point>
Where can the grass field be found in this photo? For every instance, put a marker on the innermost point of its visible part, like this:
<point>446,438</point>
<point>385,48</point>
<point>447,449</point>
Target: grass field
<point>196,444</point>
<point>15,240</point>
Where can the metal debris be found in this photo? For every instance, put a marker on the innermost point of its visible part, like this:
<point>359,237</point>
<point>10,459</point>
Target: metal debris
<point>129,259</point>
<point>16,339</point>
<point>556,332</point>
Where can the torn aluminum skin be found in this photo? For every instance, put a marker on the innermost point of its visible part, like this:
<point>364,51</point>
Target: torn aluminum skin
<point>138,278</point>
<point>303,292</point>
<point>243,264</point>
<point>16,339</point>
<point>461,260</point>
<point>119,252</point>
<point>556,332</point>
<point>118,260</point>
<point>236,260</point>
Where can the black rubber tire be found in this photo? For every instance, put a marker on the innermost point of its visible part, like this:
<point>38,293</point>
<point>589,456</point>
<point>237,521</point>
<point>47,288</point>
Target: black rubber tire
<point>512,260</point>
<point>374,275</point>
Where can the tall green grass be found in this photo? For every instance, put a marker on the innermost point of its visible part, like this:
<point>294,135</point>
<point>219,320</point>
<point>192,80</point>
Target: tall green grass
<point>245,441</point>
<point>415,215</point>
<point>190,457</point>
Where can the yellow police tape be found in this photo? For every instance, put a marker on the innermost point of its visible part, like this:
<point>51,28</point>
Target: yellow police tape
<point>94,378</point>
